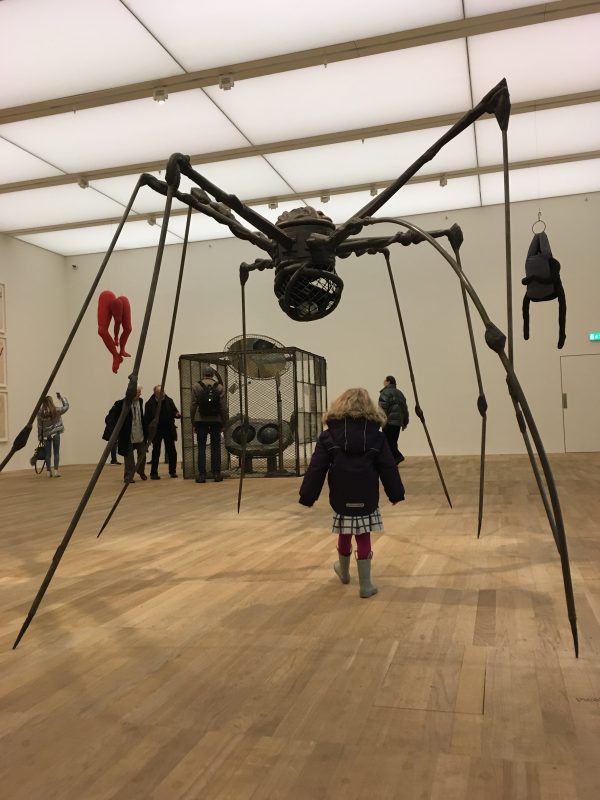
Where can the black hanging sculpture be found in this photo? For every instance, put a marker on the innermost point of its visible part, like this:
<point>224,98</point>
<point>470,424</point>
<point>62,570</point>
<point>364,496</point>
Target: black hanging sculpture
<point>302,249</point>
<point>542,281</point>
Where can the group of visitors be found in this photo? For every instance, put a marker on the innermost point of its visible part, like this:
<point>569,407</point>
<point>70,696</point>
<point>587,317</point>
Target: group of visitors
<point>131,444</point>
<point>358,448</point>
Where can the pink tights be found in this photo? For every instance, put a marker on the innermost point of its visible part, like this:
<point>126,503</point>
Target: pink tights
<point>363,545</point>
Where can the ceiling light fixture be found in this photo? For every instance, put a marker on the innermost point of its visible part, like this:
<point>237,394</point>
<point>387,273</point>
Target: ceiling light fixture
<point>443,181</point>
<point>226,83</point>
<point>160,96</point>
<point>373,191</point>
<point>83,183</point>
<point>273,205</point>
<point>151,220</point>
<point>325,197</point>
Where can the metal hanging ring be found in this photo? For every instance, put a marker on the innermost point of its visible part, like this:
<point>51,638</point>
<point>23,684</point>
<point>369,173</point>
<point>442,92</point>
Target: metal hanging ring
<point>538,222</point>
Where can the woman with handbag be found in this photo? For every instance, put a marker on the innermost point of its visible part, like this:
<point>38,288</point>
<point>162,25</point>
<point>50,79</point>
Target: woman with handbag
<point>50,426</point>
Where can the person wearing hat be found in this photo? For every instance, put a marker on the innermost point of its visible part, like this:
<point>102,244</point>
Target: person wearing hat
<point>208,412</point>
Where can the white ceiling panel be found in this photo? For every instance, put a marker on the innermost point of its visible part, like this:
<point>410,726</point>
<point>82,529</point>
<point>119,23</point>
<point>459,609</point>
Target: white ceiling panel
<point>97,239</point>
<point>406,84</point>
<point>201,35</point>
<point>244,177</point>
<point>140,130</point>
<point>553,132</point>
<point>64,47</point>
<point>420,198</point>
<point>380,159</point>
<point>202,228</point>
<point>52,206</point>
<point>553,180</point>
<point>18,165</point>
<point>476,8</point>
<point>120,189</point>
<point>543,60</point>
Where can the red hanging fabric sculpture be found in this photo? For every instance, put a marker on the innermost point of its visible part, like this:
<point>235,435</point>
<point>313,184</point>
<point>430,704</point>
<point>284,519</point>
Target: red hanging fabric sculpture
<point>118,309</point>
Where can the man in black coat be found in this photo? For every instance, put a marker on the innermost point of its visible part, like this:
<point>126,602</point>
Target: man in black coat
<point>393,402</point>
<point>166,432</point>
<point>132,436</point>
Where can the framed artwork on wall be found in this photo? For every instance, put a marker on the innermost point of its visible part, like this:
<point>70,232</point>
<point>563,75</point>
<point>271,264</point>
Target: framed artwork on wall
<point>3,417</point>
<point>3,378</point>
<point>2,308</point>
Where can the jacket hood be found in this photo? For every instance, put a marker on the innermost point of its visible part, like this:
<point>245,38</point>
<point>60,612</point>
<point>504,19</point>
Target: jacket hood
<point>354,435</point>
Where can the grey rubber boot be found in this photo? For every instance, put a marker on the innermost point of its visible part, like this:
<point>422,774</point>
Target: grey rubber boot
<point>367,589</point>
<point>342,568</point>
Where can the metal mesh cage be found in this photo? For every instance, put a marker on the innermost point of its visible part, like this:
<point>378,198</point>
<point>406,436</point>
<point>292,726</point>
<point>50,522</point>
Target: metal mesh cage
<point>287,394</point>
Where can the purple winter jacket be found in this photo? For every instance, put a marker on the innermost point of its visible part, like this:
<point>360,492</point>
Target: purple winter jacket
<point>356,455</point>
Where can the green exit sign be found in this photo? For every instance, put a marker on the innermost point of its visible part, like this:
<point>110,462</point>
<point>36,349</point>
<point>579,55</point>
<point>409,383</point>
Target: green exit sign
<point>594,336</point>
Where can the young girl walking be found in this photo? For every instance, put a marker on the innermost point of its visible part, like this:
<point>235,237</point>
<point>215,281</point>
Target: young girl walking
<point>355,455</point>
<point>50,426</point>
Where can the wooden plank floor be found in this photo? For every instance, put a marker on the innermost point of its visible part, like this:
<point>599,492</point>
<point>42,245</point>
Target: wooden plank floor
<point>191,653</point>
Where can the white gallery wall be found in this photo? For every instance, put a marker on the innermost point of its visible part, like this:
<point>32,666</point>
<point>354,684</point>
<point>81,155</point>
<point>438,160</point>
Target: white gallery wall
<point>37,322</point>
<point>360,340</point>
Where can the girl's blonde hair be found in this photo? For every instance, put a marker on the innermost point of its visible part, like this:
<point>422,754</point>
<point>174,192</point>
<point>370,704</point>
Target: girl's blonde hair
<point>354,403</point>
<point>48,409</point>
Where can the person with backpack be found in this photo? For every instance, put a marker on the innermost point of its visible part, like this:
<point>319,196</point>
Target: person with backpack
<point>50,426</point>
<point>354,455</point>
<point>208,412</point>
<point>393,403</point>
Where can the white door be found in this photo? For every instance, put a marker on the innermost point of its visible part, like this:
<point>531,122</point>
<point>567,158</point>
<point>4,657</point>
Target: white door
<point>581,402</point>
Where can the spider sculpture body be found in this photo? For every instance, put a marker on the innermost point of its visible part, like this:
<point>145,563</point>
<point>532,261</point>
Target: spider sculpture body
<point>302,248</point>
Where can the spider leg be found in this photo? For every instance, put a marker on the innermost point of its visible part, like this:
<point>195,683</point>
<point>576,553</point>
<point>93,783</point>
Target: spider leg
<point>22,437</point>
<point>496,101</point>
<point>418,409</point>
<point>455,237</point>
<point>129,397</point>
<point>496,341</point>
<point>154,422</point>
<point>482,405</point>
<point>244,274</point>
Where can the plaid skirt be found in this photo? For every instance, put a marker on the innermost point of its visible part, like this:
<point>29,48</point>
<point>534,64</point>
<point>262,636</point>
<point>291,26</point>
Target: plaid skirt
<point>345,524</point>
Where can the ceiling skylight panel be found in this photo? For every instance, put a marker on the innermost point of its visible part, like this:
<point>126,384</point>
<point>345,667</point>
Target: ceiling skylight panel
<point>553,180</point>
<point>201,35</point>
<point>64,47</point>
<point>421,198</point>
<point>80,241</point>
<point>18,165</point>
<point>244,177</point>
<point>205,228</point>
<point>553,132</point>
<point>389,87</point>
<point>125,133</point>
<point>543,60</point>
<point>53,206</point>
<point>477,8</point>
<point>372,160</point>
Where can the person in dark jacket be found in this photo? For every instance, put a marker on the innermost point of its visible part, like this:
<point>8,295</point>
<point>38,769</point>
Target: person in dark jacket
<point>208,412</point>
<point>393,403</point>
<point>165,432</point>
<point>109,426</point>
<point>132,436</point>
<point>355,455</point>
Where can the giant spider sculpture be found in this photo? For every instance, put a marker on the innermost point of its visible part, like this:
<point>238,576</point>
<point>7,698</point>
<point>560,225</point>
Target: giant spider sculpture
<point>302,248</point>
